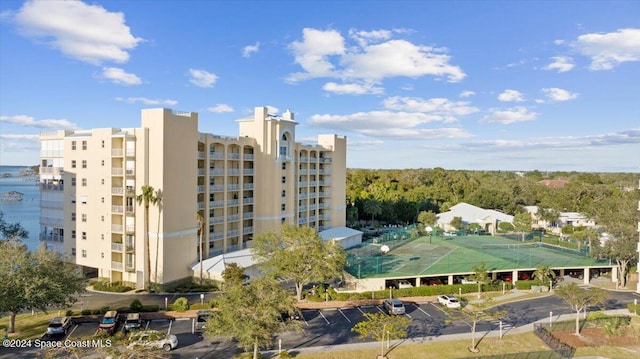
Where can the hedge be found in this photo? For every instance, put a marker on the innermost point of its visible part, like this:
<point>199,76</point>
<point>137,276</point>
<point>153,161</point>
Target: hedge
<point>634,308</point>
<point>526,284</point>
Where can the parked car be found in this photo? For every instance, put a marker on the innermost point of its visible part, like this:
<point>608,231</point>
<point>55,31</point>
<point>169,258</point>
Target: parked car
<point>524,276</point>
<point>202,318</point>
<point>296,315</point>
<point>401,284</point>
<point>154,339</point>
<point>133,322</point>
<point>394,306</point>
<point>595,273</point>
<point>449,301</point>
<point>109,322</point>
<point>433,281</point>
<point>59,326</point>
<point>468,280</point>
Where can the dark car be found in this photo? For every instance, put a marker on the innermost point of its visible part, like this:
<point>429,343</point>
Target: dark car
<point>295,315</point>
<point>133,322</point>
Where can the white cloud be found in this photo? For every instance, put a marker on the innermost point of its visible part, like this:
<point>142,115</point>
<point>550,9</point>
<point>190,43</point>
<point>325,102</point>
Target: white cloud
<point>558,94</point>
<point>388,124</point>
<point>220,108</point>
<point>19,142</point>
<point>248,50</point>
<point>511,96</point>
<point>561,64</point>
<point>85,32</point>
<point>28,121</point>
<point>120,77</point>
<point>508,116</point>
<point>272,110</point>
<point>441,106</point>
<point>202,78</point>
<point>374,57</point>
<point>610,49</point>
<point>147,101</point>
<point>466,93</point>
<point>352,88</point>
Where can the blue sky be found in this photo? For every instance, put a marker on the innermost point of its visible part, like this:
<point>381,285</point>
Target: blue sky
<point>479,85</point>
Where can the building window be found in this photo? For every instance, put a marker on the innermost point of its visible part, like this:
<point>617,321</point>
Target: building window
<point>73,252</point>
<point>84,182</point>
<point>73,199</point>
<point>84,253</point>
<point>282,220</point>
<point>102,181</point>
<point>84,163</point>
<point>102,143</point>
<point>73,234</point>
<point>73,145</point>
<point>284,179</point>
<point>83,199</point>
<point>102,255</point>
<point>73,216</point>
<point>284,193</point>
<point>84,145</point>
<point>101,218</point>
<point>73,163</point>
<point>102,236</point>
<point>102,199</point>
<point>84,236</point>
<point>73,181</point>
<point>84,217</point>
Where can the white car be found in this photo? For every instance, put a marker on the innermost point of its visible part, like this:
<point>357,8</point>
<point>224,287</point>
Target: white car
<point>468,281</point>
<point>449,301</point>
<point>402,284</point>
<point>154,339</point>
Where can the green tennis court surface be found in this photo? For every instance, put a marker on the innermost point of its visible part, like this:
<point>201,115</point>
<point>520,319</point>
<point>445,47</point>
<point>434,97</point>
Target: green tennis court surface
<point>444,255</point>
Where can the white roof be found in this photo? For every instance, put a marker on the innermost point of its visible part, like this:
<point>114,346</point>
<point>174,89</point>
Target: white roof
<point>531,209</point>
<point>243,258</point>
<point>472,214</point>
<point>338,233</point>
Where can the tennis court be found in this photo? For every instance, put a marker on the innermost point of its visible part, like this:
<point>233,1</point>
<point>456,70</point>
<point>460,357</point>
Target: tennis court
<point>424,256</point>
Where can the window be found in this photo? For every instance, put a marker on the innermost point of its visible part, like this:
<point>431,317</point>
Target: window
<point>282,220</point>
<point>102,181</point>
<point>83,199</point>
<point>73,252</point>
<point>284,193</point>
<point>73,216</point>
<point>102,254</point>
<point>102,199</point>
<point>84,253</point>
<point>73,181</point>
<point>73,234</point>
<point>73,163</point>
<point>101,218</point>
<point>73,199</point>
<point>102,143</point>
<point>84,145</point>
<point>84,236</point>
<point>84,217</point>
<point>102,236</point>
<point>284,179</point>
<point>84,163</point>
<point>84,182</point>
<point>73,145</point>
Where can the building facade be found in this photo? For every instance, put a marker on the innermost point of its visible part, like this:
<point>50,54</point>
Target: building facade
<point>241,187</point>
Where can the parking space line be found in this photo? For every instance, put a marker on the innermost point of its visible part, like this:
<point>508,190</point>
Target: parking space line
<point>345,317</point>
<point>72,330</point>
<point>381,311</point>
<point>440,309</point>
<point>407,314</point>
<point>363,313</point>
<point>169,330</point>
<point>422,310</point>
<point>325,318</point>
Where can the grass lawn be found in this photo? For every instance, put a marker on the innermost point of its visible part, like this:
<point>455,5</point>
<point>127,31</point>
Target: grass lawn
<point>526,342</point>
<point>30,326</point>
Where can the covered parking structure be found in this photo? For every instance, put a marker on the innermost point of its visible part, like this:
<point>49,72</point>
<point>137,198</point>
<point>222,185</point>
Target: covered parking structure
<point>425,261</point>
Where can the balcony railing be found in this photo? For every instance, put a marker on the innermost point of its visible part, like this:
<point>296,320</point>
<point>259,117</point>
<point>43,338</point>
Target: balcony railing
<point>201,172</point>
<point>232,202</point>
<point>247,215</point>
<point>216,235</point>
<point>233,171</point>
<point>200,188</point>
<point>325,194</point>
<point>200,205</point>
<point>51,237</point>
<point>233,187</point>
<point>247,200</point>
<point>302,208</point>
<point>216,204</point>
<point>52,204</point>
<point>117,190</point>
<point>117,171</point>
<point>129,209</point>
<point>201,155</point>
<point>51,187</point>
<point>247,230</point>
<point>216,188</point>
<point>216,220</point>
<point>233,156</point>
<point>117,247</point>
<point>248,157</point>
<point>116,265</point>
<point>216,172</point>
<point>117,152</point>
<point>215,252</point>
<point>117,228</point>
<point>51,170</point>
<point>247,186</point>
<point>247,171</point>
<point>216,155</point>
<point>130,171</point>
<point>51,221</point>
<point>232,233</point>
<point>232,217</point>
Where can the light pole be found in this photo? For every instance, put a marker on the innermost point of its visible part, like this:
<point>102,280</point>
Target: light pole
<point>429,230</point>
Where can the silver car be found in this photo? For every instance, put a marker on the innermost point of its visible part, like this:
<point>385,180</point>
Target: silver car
<point>394,306</point>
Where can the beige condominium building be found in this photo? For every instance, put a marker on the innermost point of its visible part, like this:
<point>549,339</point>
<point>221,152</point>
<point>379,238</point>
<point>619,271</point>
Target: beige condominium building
<point>242,186</point>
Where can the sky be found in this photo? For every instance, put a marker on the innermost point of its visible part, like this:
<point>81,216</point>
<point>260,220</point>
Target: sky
<point>475,85</point>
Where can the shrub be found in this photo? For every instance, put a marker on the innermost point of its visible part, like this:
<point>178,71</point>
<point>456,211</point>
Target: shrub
<point>68,313</point>
<point>526,284</point>
<point>86,312</point>
<point>136,305</point>
<point>248,356</point>
<point>96,312</point>
<point>115,287</point>
<point>181,304</point>
<point>206,305</point>
<point>285,355</point>
<point>150,308</point>
<point>634,308</point>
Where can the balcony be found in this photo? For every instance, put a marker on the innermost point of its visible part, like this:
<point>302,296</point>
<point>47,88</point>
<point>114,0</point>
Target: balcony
<point>302,195</point>
<point>248,157</point>
<point>247,200</point>
<point>130,171</point>
<point>130,191</point>
<point>325,160</point>
<point>130,247</point>
<point>215,252</point>
<point>233,187</point>
<point>117,247</point>
<point>216,220</point>
<point>130,228</point>
<point>130,152</point>
<point>51,237</point>
<point>232,202</point>
<point>302,220</point>
<point>200,189</point>
<point>247,215</point>
<point>117,228</point>
<point>247,186</point>
<point>312,207</point>
<point>216,155</point>
<point>325,194</point>
<point>216,204</point>
<point>216,235</point>
<point>51,170</point>
<point>116,265</point>
<point>51,187</point>
<point>247,171</point>
<point>233,171</point>
<point>232,233</point>
<point>233,156</point>
<point>216,188</point>
<point>302,208</point>
<point>201,171</point>
<point>117,152</point>
<point>117,171</point>
<point>117,190</point>
<point>52,222</point>
<point>216,172</point>
<point>200,205</point>
<point>247,230</point>
<point>233,218</point>
<point>324,183</point>
<point>304,159</point>
<point>129,209</point>
<point>117,209</point>
<point>325,171</point>
<point>201,155</point>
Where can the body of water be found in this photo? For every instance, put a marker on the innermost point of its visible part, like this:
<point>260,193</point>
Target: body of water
<point>27,211</point>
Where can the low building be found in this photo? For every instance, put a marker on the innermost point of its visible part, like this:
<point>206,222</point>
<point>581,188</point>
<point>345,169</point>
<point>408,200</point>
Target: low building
<point>488,219</point>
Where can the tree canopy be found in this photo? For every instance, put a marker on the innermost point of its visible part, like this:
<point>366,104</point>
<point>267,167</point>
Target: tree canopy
<point>299,254</point>
<point>581,299</point>
<point>380,326</point>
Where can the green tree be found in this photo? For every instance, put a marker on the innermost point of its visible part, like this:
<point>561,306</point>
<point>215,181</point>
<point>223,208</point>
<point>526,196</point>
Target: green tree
<point>581,299</point>
<point>373,208</point>
<point>522,221</point>
<point>35,280</point>
<point>473,313</point>
<point>380,326</point>
<point>544,274</point>
<point>251,314</point>
<point>148,197</point>
<point>298,253</point>
<point>456,222</point>
<point>11,231</point>
<point>200,219</point>
<point>233,274</point>
<point>427,218</point>
<point>480,275</point>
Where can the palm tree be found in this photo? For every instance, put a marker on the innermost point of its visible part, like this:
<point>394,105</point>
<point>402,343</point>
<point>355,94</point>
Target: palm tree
<point>200,219</point>
<point>372,207</point>
<point>544,274</point>
<point>148,197</point>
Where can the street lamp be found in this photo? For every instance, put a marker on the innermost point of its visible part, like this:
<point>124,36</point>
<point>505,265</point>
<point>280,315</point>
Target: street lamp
<point>430,231</point>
